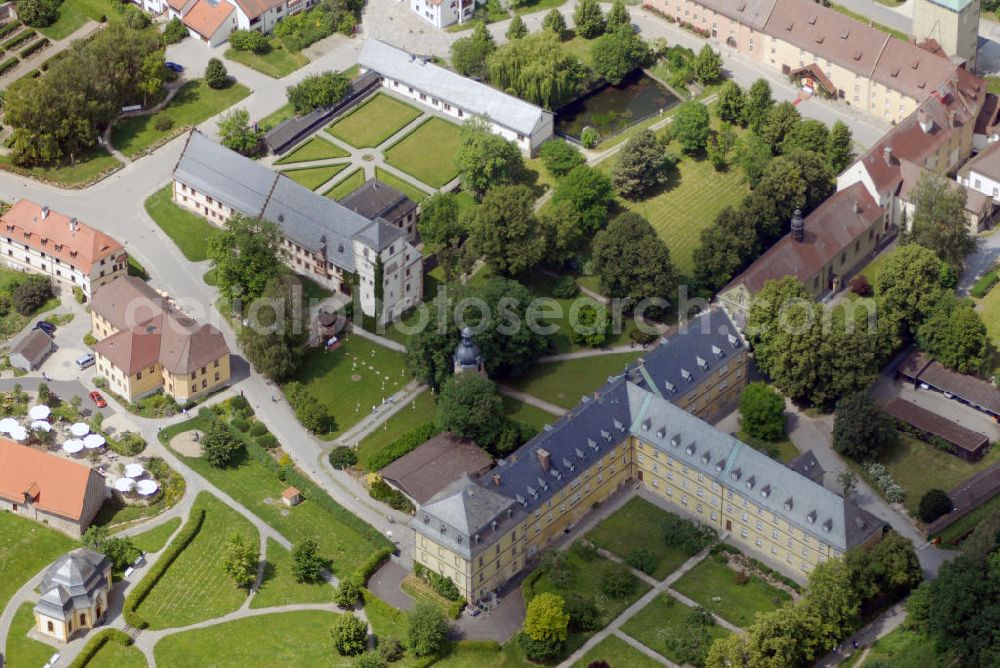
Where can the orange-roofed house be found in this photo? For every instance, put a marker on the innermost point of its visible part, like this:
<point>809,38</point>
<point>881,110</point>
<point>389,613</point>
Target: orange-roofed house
<point>48,488</point>
<point>211,21</point>
<point>42,241</point>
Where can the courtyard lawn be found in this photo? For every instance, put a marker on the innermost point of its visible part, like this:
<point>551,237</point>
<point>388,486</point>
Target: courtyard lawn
<point>191,233</point>
<point>258,489</point>
<point>315,148</point>
<point>738,604</point>
<point>194,103</point>
<point>13,322</point>
<point>373,122</point>
<point>279,586</point>
<point>989,309</point>
<point>347,185</point>
<point>195,587</point>
<point>952,537</point>
<point>277,62</point>
<point>353,379</point>
<point>783,450</point>
<point>563,383</point>
<point>116,655</point>
<point>405,187</point>
<point>903,648</point>
<point>386,621</point>
<point>585,580</point>
<point>26,547</point>
<point>526,413</point>
<point>95,9</point>
<point>421,592</point>
<point>22,650</point>
<point>616,652</point>
<point>664,620</point>
<point>428,153</point>
<point>617,535</point>
<point>313,177</point>
<point>70,20</point>
<point>92,165</point>
<point>282,639</point>
<point>422,409</point>
<point>156,538</point>
<point>282,113</point>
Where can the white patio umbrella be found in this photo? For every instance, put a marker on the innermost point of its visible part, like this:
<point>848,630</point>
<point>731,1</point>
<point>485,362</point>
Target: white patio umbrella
<point>73,446</point>
<point>19,433</point>
<point>39,412</point>
<point>7,424</point>
<point>124,484</point>
<point>146,487</point>
<point>92,441</point>
<point>134,471</point>
<point>41,425</point>
<point>79,429</point>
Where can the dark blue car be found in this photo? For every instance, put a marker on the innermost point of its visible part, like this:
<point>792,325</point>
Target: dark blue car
<point>174,66</point>
<point>46,327</point>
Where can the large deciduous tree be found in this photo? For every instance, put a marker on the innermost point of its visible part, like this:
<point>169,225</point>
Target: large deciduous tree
<point>546,627</point>
<point>505,232</point>
<point>939,219</point>
<point>470,406</point>
<point>633,263</point>
<point>762,412</point>
<point>955,335</point>
<point>839,147</point>
<point>485,159</point>
<point>590,192</point>
<point>236,132</point>
<point>640,166</point>
<point>758,105</point>
<point>589,19</point>
<point>426,629</point>
<point>729,106</point>
<point>468,55</point>
<point>559,157</point>
<point>907,287</point>
<point>807,135</point>
<point>708,66</point>
<point>536,68</point>
<point>691,127</point>
<point>318,90</point>
<point>861,430</point>
<point>245,256</point>
<point>615,54</point>
<point>277,329</point>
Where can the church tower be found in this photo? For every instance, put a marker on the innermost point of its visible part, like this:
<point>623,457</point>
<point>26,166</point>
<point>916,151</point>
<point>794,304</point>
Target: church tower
<point>954,24</point>
<point>468,358</point>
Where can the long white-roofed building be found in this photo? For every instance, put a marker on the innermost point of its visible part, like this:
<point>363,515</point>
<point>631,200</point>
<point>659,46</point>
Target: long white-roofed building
<point>461,98</point>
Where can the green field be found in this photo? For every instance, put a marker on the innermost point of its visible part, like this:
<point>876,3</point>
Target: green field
<point>428,153</point>
<point>195,586</point>
<point>957,532</point>
<point>373,122</point>
<point>617,535</point>
<point>194,103</point>
<point>563,383</point>
<point>93,163</point>
<point>279,586</point>
<point>526,413</point>
<point>347,185</point>
<point>22,650</point>
<point>26,547</point>
<point>616,652</point>
<point>315,148</point>
<point>191,233</point>
<point>70,20</point>
<point>420,410</point>
<point>390,179</point>
<point>116,655</point>
<point>903,648</point>
<point>313,177</point>
<point>664,621</point>
<point>95,9</point>
<point>738,604</point>
<point>281,639</point>
<point>353,379</point>
<point>282,113</point>
<point>156,538</point>
<point>277,62</point>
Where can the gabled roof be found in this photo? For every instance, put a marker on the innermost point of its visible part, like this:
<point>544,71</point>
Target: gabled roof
<point>207,16</point>
<point>447,86</point>
<point>378,200</point>
<point>34,346</point>
<point>427,469</point>
<point>753,13</point>
<point>57,235</point>
<point>254,8</point>
<point>55,484</point>
<point>987,163</point>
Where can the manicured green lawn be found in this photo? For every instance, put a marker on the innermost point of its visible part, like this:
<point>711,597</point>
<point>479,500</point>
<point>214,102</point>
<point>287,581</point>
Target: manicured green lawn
<point>353,379</point>
<point>481,653</point>
<point>22,650</point>
<point>903,648</point>
<point>870,270</point>
<point>13,322</point>
<point>194,103</point>
<point>315,148</point>
<point>116,655</point>
<point>616,652</point>
<point>428,153</point>
<point>422,409</point>
<point>196,586</point>
<point>563,383</point>
<point>421,592</point>
<point>282,113</point>
<point>526,413</point>
<point>70,20</point>
<point>989,309</point>
<point>738,604</point>
<point>386,621</point>
<point>532,6</point>
<point>373,122</point>
<point>93,163</point>
<point>26,547</point>
<point>258,489</point>
<point>280,587</point>
<point>347,185</point>
<point>952,536</point>
<point>617,535</point>
<point>281,639</point>
<point>278,62</point>
<point>783,450</point>
<point>191,233</point>
<point>664,621</point>
<point>390,179</point>
<point>95,9</point>
<point>156,538</point>
<point>313,177</point>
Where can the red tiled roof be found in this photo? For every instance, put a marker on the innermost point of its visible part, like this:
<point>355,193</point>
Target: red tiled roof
<point>55,484</point>
<point>57,235</point>
<point>907,68</point>
<point>205,18</point>
<point>254,8</point>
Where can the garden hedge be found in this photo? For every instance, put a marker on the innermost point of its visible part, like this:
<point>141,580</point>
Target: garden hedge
<point>403,445</point>
<point>94,645</point>
<point>19,38</point>
<point>8,28</point>
<point>33,47</point>
<point>137,595</point>
<point>985,283</point>
<point>8,64</point>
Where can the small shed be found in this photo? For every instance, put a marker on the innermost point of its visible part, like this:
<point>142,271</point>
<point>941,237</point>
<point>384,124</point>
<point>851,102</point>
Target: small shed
<point>291,496</point>
<point>31,351</point>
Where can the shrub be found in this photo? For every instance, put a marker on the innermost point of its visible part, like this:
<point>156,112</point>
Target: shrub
<point>643,338</point>
<point>618,582</point>
<point>248,40</point>
<point>98,641</point>
<point>933,505</point>
<point>741,578</point>
<point>8,28</point>
<point>349,634</point>
<point>642,559</point>
<point>30,294</point>
<point>402,445</point>
<point>565,288</point>
<point>347,594</point>
<point>390,649</point>
<point>267,441</point>
<point>583,613</point>
<point>313,415</point>
<point>343,457</point>
<point>686,535</point>
<point>163,122</point>
<point>318,90</point>
<point>444,586</point>
<point>19,38</point>
<point>258,429</point>
<point>78,294</point>
<point>426,629</point>
<point>590,137</point>
<point>560,157</point>
<point>985,283</point>
<point>239,424</point>
<point>583,551</point>
<point>32,48</point>
<point>129,444</point>
<point>216,75</point>
<point>381,491</point>
<point>9,64</point>
<point>174,31</point>
<point>860,286</point>
<point>370,660</point>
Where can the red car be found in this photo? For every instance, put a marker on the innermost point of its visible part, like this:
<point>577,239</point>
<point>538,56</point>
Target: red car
<point>96,397</point>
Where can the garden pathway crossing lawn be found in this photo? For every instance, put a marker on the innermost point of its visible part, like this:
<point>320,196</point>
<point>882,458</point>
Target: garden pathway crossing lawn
<point>88,166</point>
<point>156,538</point>
<point>371,123</point>
<point>115,655</point>
<point>903,648</point>
<point>421,409</point>
<point>280,587</point>
<point>616,652</point>
<point>563,383</point>
<point>313,177</point>
<point>405,187</point>
<point>70,20</point>
<point>190,232</point>
<point>26,547</point>
<point>428,153</point>
<point>277,62</point>
<point>989,309</point>
<point>665,619</point>
<point>22,650</point>
<point>299,638</point>
<point>258,489</point>
<point>347,185</point>
<point>617,534</point>
<point>526,413</point>
<point>739,604</point>
<point>194,103</point>
<point>353,379</point>
<point>195,586</point>
<point>315,148</point>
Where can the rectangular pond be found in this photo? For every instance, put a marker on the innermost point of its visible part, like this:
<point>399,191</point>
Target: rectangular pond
<point>611,109</point>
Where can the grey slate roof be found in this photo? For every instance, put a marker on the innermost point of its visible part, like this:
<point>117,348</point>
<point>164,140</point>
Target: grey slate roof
<point>447,86</point>
<point>461,515</point>
<point>806,464</point>
<point>378,200</point>
<point>72,582</point>
<point>225,175</point>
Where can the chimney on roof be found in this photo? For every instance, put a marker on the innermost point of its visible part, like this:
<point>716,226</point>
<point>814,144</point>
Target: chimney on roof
<point>926,124</point>
<point>544,458</point>
<point>798,226</point>
<point>887,155</point>
<point>496,479</point>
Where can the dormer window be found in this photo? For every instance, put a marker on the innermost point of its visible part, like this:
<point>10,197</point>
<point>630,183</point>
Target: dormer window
<point>579,454</point>
<point>523,501</point>
<point>811,517</point>
<point>541,483</point>
<point>676,440</point>
<point>690,449</point>
<point>751,481</point>
<point>533,492</point>
<point>592,444</point>
<point>717,351</point>
<point>646,424</point>
<point>736,474</point>
<point>789,503</point>
<point>828,525</point>
<point>705,458</point>
<point>765,491</point>
<point>619,426</point>
<point>734,341</point>
<point>606,435</point>
<point>719,465</point>
<point>702,363</point>
<point>567,464</point>
<point>670,387</point>
<point>686,375</point>
<point>661,432</point>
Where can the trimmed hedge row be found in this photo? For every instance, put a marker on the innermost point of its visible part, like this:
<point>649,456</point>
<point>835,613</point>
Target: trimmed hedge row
<point>9,64</point>
<point>33,47</point>
<point>18,39</point>
<point>99,640</point>
<point>403,445</point>
<point>8,28</point>
<point>985,283</point>
<point>137,595</point>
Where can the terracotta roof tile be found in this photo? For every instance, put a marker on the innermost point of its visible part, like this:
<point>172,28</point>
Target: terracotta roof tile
<point>57,485</point>
<point>205,18</point>
<point>57,235</point>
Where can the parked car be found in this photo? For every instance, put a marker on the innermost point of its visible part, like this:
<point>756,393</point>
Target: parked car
<point>174,66</point>
<point>98,400</point>
<point>85,361</point>
<point>46,327</point>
